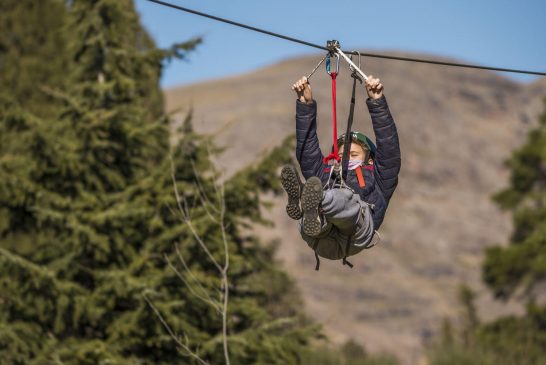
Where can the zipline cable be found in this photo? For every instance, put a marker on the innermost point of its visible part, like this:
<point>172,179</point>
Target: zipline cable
<point>238,24</point>
<point>373,55</point>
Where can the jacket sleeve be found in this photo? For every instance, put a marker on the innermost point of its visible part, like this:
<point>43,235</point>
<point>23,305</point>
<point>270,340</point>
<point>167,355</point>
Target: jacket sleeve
<point>308,151</point>
<point>387,160</point>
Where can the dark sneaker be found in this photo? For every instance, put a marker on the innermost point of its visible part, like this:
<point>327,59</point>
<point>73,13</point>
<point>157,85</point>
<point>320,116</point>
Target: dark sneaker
<point>291,182</point>
<point>310,202</point>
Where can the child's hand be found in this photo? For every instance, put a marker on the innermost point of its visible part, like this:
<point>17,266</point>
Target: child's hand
<point>303,89</point>
<point>374,88</point>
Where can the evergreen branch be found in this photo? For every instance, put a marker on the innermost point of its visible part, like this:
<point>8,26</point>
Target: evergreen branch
<point>206,299</point>
<point>187,219</point>
<point>179,50</point>
<point>199,240</point>
<point>186,267</point>
<point>211,158</point>
<point>200,187</point>
<point>174,212</point>
<point>57,94</point>
<point>173,335</point>
<point>220,196</point>
<point>225,282</point>
<point>205,203</point>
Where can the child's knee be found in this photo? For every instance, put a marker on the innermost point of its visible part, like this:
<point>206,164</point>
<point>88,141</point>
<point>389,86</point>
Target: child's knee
<point>327,197</point>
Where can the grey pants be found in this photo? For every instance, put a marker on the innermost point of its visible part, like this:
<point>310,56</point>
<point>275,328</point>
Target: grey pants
<point>346,219</point>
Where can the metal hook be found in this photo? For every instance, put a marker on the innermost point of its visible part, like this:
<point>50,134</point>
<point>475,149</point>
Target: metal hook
<point>336,55</point>
<point>357,70</point>
<point>354,74</point>
<point>359,56</point>
<point>332,51</point>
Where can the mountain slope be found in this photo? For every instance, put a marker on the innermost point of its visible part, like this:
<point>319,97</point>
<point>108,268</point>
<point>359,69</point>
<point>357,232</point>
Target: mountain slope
<point>456,128</point>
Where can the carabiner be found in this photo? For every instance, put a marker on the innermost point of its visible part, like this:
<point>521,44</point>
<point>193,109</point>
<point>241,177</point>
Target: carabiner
<point>336,55</point>
<point>354,73</point>
<point>359,56</point>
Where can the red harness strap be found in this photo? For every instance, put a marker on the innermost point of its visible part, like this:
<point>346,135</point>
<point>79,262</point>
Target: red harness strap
<point>334,155</point>
<point>360,177</point>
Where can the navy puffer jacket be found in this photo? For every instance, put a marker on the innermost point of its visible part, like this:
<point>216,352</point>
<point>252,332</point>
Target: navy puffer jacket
<point>381,181</point>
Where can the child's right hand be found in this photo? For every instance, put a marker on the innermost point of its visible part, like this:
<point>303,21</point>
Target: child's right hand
<point>303,89</point>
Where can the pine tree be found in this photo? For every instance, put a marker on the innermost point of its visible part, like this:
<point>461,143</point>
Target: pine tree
<point>92,237</point>
<point>32,52</point>
<point>517,268</point>
<point>523,262</point>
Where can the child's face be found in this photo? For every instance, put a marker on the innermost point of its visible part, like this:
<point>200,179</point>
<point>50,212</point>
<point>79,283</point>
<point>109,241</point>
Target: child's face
<point>356,153</point>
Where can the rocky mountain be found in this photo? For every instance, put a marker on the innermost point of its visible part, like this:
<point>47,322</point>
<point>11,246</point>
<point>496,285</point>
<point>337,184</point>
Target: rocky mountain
<point>456,127</point>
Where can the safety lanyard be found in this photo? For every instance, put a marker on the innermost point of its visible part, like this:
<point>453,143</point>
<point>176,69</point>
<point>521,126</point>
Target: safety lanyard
<point>334,155</point>
<point>348,134</point>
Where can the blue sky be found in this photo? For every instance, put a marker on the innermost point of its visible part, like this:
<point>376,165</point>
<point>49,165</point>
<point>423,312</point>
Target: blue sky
<point>498,33</point>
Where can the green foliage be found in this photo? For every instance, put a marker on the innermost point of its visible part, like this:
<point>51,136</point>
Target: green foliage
<point>506,341</point>
<point>520,265</point>
<point>32,52</point>
<point>523,263</point>
<point>350,353</point>
<point>261,177</point>
<point>470,315</point>
<point>458,346</point>
<point>94,245</point>
<point>457,354</point>
<point>517,340</point>
<point>119,64</point>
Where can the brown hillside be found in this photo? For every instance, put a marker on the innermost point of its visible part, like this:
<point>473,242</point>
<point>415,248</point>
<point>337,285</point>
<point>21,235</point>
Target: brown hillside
<point>456,128</point>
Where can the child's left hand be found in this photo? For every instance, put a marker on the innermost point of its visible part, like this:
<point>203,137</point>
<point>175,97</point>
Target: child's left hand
<point>303,89</point>
<point>374,87</point>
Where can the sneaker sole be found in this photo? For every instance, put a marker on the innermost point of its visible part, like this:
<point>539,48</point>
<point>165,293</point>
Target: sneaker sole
<point>292,184</point>
<point>310,201</point>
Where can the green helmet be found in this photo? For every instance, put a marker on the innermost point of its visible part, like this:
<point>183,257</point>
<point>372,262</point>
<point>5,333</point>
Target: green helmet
<point>362,140</point>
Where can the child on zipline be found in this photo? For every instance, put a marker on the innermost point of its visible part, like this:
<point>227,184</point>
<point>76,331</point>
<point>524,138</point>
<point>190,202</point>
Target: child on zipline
<point>340,218</point>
